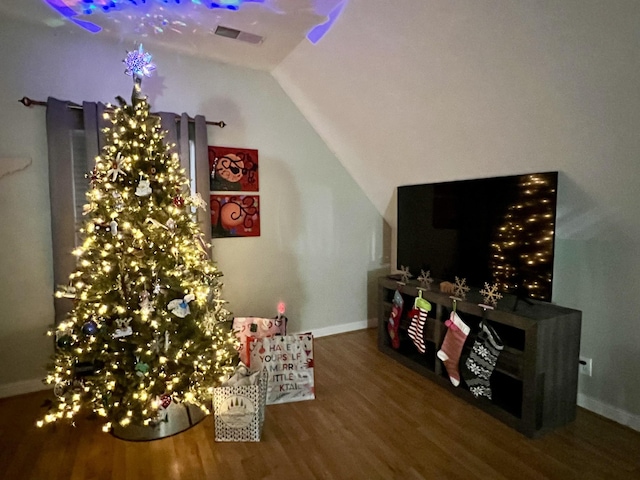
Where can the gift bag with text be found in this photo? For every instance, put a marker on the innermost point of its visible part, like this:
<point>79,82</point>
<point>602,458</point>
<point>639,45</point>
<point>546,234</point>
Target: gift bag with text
<point>249,328</point>
<point>289,363</point>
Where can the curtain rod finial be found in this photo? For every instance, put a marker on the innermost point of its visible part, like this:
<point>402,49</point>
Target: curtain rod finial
<point>26,101</point>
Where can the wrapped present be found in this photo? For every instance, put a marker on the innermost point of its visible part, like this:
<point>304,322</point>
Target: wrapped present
<point>248,329</point>
<point>238,406</point>
<point>289,361</point>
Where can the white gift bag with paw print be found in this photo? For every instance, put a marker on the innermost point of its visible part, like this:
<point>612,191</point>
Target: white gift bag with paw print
<point>288,360</point>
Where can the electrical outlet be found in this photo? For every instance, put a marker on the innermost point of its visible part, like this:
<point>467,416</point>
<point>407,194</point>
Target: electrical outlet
<point>584,366</point>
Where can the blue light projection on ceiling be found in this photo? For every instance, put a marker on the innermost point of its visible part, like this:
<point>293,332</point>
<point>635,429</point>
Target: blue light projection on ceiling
<point>319,31</point>
<point>71,9</point>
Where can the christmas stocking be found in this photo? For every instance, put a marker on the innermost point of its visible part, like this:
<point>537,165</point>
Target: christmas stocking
<point>394,319</point>
<point>451,348</point>
<point>418,318</point>
<point>479,366</point>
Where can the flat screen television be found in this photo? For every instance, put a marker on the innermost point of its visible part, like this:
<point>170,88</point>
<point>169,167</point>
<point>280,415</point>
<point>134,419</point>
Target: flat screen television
<point>498,230</point>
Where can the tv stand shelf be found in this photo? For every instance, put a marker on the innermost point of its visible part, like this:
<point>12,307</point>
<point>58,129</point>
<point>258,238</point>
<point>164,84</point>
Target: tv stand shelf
<point>535,380</point>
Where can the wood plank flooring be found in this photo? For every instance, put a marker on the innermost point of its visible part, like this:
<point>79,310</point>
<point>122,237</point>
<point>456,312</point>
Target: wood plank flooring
<point>372,419</point>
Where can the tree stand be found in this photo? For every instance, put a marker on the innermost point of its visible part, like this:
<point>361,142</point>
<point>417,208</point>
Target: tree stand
<point>175,418</point>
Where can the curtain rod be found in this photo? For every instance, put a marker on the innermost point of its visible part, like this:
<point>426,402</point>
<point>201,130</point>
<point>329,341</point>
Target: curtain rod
<point>27,102</point>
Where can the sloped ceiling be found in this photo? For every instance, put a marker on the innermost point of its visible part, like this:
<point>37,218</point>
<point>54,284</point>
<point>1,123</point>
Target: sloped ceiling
<point>187,26</point>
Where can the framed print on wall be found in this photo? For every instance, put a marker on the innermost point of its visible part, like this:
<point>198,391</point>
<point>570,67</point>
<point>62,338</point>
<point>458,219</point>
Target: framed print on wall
<point>233,169</point>
<point>235,216</point>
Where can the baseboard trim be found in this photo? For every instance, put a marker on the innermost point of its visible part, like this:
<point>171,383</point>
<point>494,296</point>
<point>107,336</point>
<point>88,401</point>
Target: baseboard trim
<point>342,328</point>
<point>609,411</point>
<point>22,387</point>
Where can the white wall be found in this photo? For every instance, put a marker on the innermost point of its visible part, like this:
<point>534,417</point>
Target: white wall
<point>320,234</point>
<point>421,91</point>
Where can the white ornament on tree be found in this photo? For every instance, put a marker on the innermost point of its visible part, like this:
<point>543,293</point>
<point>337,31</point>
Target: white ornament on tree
<point>144,188</point>
<point>180,306</point>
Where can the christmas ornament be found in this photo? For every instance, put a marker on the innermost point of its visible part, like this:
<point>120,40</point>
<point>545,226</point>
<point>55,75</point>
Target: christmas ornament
<point>115,169</point>
<point>64,342</point>
<point>113,226</point>
<point>87,208</point>
<point>178,201</point>
<point>144,188</point>
<point>66,291</point>
<point>118,202</point>
<point>146,305</point>
<point>180,307</point>
<point>90,328</point>
<point>155,344</point>
<point>123,328</point>
<point>165,401</point>
<point>197,201</point>
<point>141,368</point>
<point>93,177</point>
<point>59,390</point>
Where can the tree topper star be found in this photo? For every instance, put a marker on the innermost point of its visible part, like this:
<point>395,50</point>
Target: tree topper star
<point>138,63</point>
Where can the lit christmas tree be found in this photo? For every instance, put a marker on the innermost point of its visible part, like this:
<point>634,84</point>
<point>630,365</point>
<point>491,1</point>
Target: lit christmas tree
<point>148,323</point>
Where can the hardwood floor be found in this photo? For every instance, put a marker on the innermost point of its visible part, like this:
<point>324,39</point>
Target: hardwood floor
<point>372,419</point>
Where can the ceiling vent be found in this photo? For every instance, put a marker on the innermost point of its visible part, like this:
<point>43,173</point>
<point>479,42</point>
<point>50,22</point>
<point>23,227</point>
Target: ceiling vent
<point>238,35</point>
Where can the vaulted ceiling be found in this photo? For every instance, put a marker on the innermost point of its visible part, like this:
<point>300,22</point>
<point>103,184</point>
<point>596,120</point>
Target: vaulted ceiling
<point>269,29</point>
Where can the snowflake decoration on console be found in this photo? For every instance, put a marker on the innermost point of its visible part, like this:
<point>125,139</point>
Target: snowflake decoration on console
<point>490,294</point>
<point>425,279</point>
<point>460,289</point>
<point>405,274</point>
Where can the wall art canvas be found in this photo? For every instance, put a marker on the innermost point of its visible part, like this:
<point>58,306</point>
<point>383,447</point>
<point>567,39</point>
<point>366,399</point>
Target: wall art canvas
<point>235,216</point>
<point>233,169</point>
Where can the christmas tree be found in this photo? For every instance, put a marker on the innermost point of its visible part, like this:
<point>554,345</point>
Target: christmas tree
<point>148,325</point>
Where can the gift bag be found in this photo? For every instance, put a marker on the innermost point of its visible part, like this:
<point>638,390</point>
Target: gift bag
<point>238,407</point>
<point>288,360</point>
<point>249,328</point>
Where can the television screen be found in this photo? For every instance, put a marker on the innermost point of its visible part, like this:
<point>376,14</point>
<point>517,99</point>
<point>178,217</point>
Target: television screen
<point>498,230</point>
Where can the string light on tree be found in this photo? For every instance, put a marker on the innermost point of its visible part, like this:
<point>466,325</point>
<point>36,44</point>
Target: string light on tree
<point>148,319</point>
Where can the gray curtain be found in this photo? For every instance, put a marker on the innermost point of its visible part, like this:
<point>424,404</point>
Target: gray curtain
<point>191,144</point>
<point>74,138</point>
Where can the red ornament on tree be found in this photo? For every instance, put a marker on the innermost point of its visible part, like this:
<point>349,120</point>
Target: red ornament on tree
<point>165,401</point>
<point>178,201</point>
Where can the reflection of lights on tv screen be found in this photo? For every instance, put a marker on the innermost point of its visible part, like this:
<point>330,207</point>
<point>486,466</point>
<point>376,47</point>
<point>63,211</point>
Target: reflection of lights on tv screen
<point>498,230</point>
